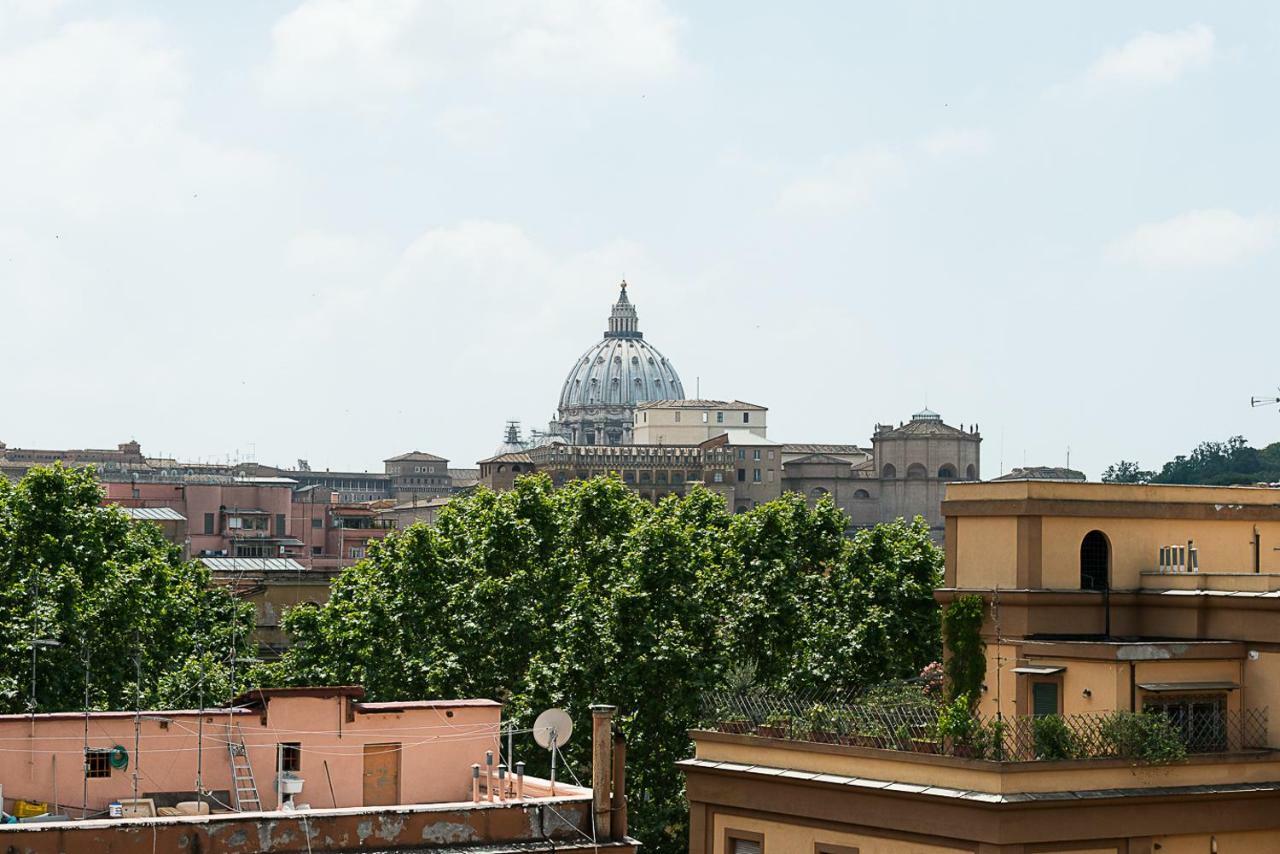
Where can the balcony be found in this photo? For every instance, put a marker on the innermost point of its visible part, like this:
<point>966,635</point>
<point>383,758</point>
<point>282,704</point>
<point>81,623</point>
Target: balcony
<point>917,724</point>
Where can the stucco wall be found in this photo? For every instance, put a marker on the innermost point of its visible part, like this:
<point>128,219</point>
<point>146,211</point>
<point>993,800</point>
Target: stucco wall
<point>437,752</point>
<point>800,839</point>
<point>987,552</point>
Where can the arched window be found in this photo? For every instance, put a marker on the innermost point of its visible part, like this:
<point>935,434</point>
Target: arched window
<point>818,492</point>
<point>947,472</point>
<point>1095,561</point>
<point>515,467</point>
<point>888,472</point>
<point>741,508</point>
<point>971,473</point>
<point>501,468</point>
<point>915,471</point>
<point>861,493</point>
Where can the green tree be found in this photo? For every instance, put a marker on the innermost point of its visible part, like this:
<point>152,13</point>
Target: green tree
<point>1126,471</point>
<point>84,576</point>
<point>546,597</point>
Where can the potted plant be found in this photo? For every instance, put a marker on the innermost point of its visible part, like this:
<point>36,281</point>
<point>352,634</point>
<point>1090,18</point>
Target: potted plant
<point>869,732</point>
<point>776,725</point>
<point>731,719</point>
<point>820,724</point>
<point>1053,738</point>
<point>957,728</point>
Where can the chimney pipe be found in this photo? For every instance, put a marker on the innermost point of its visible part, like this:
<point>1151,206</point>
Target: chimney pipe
<point>475,783</point>
<point>601,768</point>
<point>620,786</point>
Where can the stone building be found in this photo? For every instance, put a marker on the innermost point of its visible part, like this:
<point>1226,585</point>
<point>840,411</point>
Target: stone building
<point>682,422</point>
<point>605,384</point>
<point>905,475</point>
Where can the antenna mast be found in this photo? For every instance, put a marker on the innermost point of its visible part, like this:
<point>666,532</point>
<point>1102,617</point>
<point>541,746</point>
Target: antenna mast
<point>1255,402</point>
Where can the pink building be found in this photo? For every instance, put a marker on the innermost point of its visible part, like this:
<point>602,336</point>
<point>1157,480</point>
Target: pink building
<point>347,753</point>
<point>243,518</point>
<point>302,769</point>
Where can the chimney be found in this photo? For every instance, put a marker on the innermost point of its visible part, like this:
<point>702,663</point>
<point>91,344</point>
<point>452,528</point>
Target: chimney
<point>601,768</point>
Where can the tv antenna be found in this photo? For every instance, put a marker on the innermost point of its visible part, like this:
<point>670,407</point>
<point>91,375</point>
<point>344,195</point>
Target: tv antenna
<point>1255,402</point>
<point>552,729</point>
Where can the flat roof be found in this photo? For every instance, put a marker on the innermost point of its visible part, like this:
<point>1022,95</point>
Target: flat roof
<point>1225,497</point>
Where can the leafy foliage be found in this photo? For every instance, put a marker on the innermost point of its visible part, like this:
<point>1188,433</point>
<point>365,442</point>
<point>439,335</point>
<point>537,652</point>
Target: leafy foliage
<point>1213,463</point>
<point>967,653</point>
<point>1126,471</point>
<point>1144,736</point>
<point>83,575</point>
<point>541,597</point>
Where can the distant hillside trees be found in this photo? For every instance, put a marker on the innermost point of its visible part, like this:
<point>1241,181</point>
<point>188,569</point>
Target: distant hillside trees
<point>81,580</point>
<point>1213,463</point>
<point>546,597</point>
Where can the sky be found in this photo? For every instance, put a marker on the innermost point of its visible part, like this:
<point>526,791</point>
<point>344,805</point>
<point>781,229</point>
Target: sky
<point>338,230</point>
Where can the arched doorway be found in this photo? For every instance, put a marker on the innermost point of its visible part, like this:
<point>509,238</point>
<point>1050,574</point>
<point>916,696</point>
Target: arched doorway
<point>1095,561</point>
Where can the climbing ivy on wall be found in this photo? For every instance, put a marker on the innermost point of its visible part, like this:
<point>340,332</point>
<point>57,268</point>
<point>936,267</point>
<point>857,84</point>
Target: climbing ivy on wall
<point>966,651</point>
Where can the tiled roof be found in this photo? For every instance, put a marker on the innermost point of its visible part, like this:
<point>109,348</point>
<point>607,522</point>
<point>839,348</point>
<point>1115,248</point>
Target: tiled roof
<point>819,448</point>
<point>416,457</point>
<point>817,459</point>
<point>513,457</point>
<point>1042,473</point>
<point>252,564</point>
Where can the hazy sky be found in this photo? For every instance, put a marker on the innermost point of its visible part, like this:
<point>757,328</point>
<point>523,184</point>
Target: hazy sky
<point>342,230</point>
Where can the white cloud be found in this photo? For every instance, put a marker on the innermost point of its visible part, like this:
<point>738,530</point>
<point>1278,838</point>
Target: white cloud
<point>100,107</point>
<point>1151,58</point>
<point>846,181</point>
<point>366,53</point>
<point>1203,238</point>
<point>957,141</point>
<point>842,182</point>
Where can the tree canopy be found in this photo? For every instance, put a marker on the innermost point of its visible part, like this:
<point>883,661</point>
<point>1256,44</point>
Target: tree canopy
<point>88,582</point>
<point>587,594</point>
<point>1214,463</point>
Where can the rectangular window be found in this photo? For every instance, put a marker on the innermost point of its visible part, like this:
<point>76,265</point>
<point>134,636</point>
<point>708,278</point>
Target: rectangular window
<point>208,523</point>
<point>317,522</point>
<point>280,525</point>
<point>743,842</point>
<point>771,453</point>
<point>769,475</point>
<point>828,848</point>
<point>755,455</point>
<point>742,453</point>
<point>718,477</point>
<point>97,763</point>
<point>677,417</point>
<point>704,418</point>
<point>1044,698</point>
<point>291,756</point>
<point>755,475</point>
<point>746,418</point>
<point>742,475</point>
<point>357,552</point>
<point>719,417</point>
<point>317,550</point>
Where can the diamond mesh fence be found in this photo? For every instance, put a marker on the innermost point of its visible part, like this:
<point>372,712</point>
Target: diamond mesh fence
<point>911,720</point>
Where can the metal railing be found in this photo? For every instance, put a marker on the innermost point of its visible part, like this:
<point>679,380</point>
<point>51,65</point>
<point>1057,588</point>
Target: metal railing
<point>919,724</point>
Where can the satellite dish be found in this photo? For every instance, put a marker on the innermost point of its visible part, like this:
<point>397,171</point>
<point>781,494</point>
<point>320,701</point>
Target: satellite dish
<point>552,728</point>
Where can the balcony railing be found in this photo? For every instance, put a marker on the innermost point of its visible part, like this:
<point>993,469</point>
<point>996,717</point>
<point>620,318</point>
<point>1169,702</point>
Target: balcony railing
<point>923,726</point>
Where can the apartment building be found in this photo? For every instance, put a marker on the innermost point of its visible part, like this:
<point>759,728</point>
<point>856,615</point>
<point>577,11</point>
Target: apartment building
<point>1132,648</point>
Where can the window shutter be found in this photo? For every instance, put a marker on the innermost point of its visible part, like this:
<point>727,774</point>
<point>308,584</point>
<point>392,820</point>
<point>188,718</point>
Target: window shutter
<point>1044,698</point>
<point>743,846</point>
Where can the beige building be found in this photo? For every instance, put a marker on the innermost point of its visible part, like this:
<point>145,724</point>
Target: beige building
<point>690,422</point>
<point>1108,609</point>
<point>905,474</point>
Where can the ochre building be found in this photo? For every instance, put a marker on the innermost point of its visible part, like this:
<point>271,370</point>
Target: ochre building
<point>1132,670</point>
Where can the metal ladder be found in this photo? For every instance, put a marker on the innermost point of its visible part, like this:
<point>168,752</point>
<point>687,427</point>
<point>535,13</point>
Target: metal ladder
<point>244,790</point>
